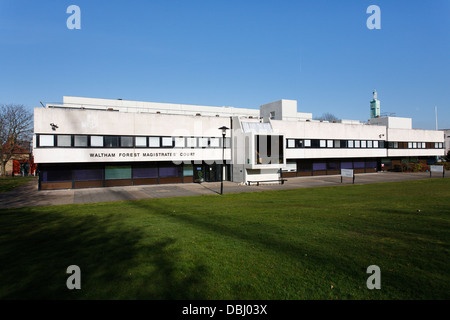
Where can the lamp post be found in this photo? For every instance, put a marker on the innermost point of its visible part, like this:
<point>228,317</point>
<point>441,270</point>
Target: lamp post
<point>224,131</point>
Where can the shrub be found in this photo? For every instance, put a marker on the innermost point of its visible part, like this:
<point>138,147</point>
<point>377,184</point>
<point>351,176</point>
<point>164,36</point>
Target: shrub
<point>447,165</point>
<point>420,167</point>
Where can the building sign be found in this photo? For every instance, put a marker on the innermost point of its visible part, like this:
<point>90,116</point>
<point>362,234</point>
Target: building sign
<point>348,173</point>
<point>437,169</point>
<point>74,155</point>
<point>121,155</point>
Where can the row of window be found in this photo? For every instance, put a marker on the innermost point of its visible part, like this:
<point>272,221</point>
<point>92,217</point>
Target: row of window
<point>93,141</point>
<point>318,143</point>
<point>415,145</point>
<point>332,164</point>
<point>96,173</point>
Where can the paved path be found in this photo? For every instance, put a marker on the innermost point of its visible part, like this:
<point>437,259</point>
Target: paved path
<point>28,195</point>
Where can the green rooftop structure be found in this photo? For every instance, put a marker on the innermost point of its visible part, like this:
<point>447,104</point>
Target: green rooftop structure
<point>374,106</point>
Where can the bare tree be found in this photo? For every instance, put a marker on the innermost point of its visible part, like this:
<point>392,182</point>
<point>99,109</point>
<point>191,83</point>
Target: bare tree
<point>327,117</point>
<point>15,128</point>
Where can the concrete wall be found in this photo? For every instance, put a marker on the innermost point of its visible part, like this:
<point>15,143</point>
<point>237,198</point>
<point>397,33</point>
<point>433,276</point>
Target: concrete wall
<point>101,122</point>
<point>343,131</point>
<point>264,175</point>
<point>93,122</point>
<point>326,130</point>
<point>306,153</point>
<point>284,110</point>
<point>92,155</point>
<point>392,122</point>
<point>153,107</point>
<point>415,135</point>
<point>76,121</point>
<point>447,140</point>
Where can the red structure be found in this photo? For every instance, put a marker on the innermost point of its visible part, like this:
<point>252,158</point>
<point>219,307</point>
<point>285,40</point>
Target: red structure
<point>21,162</point>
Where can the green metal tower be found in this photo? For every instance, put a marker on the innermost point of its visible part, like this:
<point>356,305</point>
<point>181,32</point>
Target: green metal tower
<point>375,106</point>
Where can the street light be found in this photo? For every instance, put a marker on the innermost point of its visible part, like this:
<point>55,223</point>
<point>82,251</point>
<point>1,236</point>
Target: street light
<point>224,132</point>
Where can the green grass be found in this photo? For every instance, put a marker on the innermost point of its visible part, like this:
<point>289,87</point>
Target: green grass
<point>295,244</point>
<point>9,183</point>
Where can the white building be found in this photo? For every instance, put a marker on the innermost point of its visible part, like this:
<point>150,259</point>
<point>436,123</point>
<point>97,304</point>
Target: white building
<point>86,142</point>
<point>447,140</point>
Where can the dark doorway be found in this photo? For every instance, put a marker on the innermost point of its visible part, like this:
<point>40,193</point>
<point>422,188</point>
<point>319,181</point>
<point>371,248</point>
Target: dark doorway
<point>213,172</point>
<point>210,172</point>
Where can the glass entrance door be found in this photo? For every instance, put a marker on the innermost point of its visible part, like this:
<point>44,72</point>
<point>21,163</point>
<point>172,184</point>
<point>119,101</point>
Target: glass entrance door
<point>210,173</point>
<point>199,173</point>
<point>213,172</point>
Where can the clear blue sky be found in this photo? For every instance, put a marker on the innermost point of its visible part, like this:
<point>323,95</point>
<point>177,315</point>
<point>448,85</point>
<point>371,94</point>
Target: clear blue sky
<point>239,53</point>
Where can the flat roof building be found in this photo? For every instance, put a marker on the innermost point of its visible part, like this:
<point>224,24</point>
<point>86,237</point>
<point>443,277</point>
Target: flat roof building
<point>447,140</point>
<point>85,142</point>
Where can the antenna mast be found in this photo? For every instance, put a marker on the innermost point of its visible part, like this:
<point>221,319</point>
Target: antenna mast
<point>435,112</point>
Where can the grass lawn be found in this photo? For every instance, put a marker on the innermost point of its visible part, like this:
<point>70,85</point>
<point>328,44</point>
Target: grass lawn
<point>294,244</point>
<point>9,183</point>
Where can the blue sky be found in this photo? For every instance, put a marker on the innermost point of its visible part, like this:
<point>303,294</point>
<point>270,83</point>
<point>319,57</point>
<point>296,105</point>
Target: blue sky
<point>232,53</point>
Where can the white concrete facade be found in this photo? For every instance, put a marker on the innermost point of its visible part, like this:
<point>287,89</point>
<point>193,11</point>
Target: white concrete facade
<point>154,107</point>
<point>392,122</point>
<point>447,140</point>
<point>260,145</point>
<point>96,122</point>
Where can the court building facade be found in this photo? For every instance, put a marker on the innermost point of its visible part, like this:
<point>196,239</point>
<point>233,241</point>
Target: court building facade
<point>90,142</point>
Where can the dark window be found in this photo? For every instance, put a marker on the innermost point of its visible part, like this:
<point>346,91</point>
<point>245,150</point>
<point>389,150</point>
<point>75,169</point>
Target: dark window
<point>319,166</point>
<point>333,165</point>
<point>111,141</point>
<point>56,174</point>
<point>358,164</point>
<point>64,141</point>
<point>343,143</point>
<point>337,143</point>
<point>315,143</point>
<point>126,142</point>
<point>81,141</point>
<point>269,149</point>
<point>347,165</point>
<point>167,171</point>
<point>145,171</point>
<point>371,164</point>
<point>304,165</point>
<point>90,174</point>
<point>298,143</point>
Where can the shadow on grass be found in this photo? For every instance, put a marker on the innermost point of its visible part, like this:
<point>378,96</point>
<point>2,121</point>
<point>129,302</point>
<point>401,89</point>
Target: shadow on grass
<point>10,183</point>
<point>37,248</point>
<point>337,258</point>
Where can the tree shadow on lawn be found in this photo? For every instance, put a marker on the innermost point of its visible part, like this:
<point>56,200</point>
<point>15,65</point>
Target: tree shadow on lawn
<point>37,246</point>
<point>257,234</point>
<point>339,259</point>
